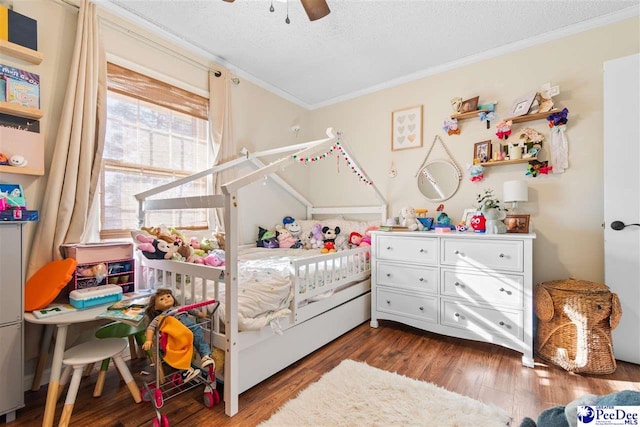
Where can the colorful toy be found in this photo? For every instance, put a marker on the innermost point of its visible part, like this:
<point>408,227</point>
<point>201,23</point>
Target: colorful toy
<point>451,127</point>
<point>285,238</point>
<point>4,160</point>
<point>476,172</point>
<point>160,304</point>
<point>294,228</point>
<point>478,223</point>
<point>559,118</point>
<point>461,227</point>
<point>504,129</point>
<point>316,238</point>
<point>266,238</point>
<point>536,166</point>
<point>366,239</point>
<point>153,248</point>
<point>355,239</point>
<point>329,235</point>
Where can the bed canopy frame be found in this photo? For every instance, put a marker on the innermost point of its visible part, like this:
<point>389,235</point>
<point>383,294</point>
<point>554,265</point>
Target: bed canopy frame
<point>303,152</point>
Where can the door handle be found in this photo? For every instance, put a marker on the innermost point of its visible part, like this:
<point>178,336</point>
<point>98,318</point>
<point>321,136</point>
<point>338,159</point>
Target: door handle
<point>619,225</point>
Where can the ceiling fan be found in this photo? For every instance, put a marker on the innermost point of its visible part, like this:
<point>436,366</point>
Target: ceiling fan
<point>315,9</point>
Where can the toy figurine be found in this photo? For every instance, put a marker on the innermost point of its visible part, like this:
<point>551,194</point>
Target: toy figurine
<point>163,302</point>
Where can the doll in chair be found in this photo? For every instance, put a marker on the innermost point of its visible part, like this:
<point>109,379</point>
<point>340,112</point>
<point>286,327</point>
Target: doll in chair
<point>159,304</point>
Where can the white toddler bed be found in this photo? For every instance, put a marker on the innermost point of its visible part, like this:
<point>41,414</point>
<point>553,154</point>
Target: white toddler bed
<point>310,299</point>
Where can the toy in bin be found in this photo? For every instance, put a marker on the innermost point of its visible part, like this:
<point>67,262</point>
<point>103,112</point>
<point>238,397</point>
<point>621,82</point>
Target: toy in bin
<point>13,206</point>
<point>174,333</point>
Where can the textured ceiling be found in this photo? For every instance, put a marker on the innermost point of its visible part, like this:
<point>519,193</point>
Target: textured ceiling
<point>363,45</point>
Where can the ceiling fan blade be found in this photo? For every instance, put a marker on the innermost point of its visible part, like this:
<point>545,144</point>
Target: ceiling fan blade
<point>315,9</point>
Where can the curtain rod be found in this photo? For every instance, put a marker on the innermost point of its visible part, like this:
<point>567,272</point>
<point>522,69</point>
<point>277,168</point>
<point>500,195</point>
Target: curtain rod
<point>150,42</point>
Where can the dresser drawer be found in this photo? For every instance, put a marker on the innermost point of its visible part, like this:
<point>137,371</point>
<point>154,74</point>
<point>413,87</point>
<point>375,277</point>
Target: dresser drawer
<point>495,288</point>
<point>422,279</point>
<point>483,254</point>
<point>421,307</point>
<point>484,322</point>
<point>409,249</point>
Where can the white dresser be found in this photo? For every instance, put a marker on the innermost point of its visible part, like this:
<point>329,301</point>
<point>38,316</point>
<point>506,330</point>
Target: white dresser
<point>466,285</point>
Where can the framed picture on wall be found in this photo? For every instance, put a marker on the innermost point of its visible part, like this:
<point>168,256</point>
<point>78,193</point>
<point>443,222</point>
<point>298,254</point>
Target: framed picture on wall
<point>406,128</point>
<point>470,104</point>
<point>521,105</point>
<point>467,215</point>
<point>517,223</point>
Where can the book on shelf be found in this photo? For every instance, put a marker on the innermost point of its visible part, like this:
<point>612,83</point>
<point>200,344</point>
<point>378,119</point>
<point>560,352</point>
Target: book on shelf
<point>130,311</point>
<point>393,228</point>
<point>19,86</point>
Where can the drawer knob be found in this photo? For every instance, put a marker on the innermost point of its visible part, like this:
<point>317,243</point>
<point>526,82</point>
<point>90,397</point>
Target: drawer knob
<point>457,314</point>
<point>389,302</point>
<point>421,279</point>
<point>501,255</point>
<point>389,248</point>
<point>421,308</point>
<point>388,274</point>
<point>506,291</point>
<point>457,284</point>
<point>422,251</point>
<point>501,323</point>
<point>456,252</point>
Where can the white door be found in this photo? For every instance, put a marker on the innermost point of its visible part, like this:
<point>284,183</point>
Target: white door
<point>622,198</point>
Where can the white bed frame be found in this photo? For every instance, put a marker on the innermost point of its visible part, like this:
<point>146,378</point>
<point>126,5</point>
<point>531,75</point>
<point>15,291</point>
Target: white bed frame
<point>252,356</point>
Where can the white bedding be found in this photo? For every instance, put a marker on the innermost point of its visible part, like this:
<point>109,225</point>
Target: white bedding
<point>264,285</point>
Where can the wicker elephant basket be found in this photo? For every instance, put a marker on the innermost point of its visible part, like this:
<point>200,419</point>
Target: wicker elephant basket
<point>576,318</point>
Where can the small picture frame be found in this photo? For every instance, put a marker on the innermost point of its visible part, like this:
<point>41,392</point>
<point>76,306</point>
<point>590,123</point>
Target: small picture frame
<point>517,223</point>
<point>482,151</point>
<point>406,128</point>
<point>467,215</point>
<point>470,104</point>
<point>521,105</point>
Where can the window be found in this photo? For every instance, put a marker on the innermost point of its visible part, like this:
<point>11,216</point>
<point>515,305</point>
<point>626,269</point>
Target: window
<point>155,134</point>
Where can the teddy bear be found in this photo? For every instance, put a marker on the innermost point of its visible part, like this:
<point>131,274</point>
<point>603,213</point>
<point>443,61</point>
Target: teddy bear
<point>410,219</point>
<point>329,235</point>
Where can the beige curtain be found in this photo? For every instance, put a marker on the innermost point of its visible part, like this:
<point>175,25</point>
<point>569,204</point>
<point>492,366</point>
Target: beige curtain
<point>221,131</point>
<point>75,167</point>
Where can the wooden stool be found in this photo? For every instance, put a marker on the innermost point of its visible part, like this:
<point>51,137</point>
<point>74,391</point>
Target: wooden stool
<point>78,357</point>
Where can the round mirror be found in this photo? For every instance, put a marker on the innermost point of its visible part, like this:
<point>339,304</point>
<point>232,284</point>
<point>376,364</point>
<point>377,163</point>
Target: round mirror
<point>438,180</point>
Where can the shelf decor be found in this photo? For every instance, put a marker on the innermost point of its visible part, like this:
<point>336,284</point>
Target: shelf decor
<point>521,105</point>
<point>406,128</point>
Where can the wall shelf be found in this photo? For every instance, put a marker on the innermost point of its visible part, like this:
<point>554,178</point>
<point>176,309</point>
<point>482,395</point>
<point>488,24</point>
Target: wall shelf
<point>468,115</point>
<point>507,162</point>
<point>20,111</point>
<point>530,117</point>
<point>20,52</point>
<point>21,171</point>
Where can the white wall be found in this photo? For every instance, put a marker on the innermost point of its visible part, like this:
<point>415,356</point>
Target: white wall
<point>566,209</point>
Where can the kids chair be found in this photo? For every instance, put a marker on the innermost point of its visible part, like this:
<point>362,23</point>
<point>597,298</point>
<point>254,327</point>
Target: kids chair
<point>81,355</point>
<point>136,337</point>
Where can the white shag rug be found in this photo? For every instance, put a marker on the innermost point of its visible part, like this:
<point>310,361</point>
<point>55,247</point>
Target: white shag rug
<point>356,394</point>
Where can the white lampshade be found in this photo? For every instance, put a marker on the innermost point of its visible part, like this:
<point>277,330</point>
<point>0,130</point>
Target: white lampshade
<point>515,191</point>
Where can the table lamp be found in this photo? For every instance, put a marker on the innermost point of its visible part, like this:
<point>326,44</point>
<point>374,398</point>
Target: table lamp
<point>514,192</point>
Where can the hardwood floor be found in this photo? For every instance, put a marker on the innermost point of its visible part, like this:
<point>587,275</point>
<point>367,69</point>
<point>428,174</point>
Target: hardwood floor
<point>481,371</point>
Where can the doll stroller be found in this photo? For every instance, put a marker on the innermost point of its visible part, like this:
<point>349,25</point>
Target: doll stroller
<point>166,387</point>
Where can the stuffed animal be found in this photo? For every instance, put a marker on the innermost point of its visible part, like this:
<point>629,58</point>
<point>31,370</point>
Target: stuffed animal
<point>366,239</point>
<point>504,129</point>
<point>355,239</point>
<point>294,228</point>
<point>410,219</point>
<point>266,238</point>
<point>213,259</point>
<point>285,238</point>
<point>153,248</point>
<point>315,239</point>
<point>329,235</point>
<point>479,223</point>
